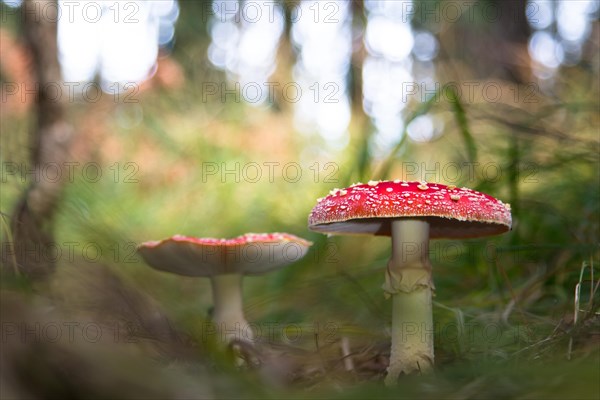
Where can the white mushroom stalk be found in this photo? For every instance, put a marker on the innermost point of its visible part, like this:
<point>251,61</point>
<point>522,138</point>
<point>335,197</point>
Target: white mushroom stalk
<point>228,314</point>
<point>408,282</point>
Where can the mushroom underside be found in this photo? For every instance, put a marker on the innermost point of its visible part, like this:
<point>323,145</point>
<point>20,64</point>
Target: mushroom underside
<point>440,227</point>
<point>189,259</point>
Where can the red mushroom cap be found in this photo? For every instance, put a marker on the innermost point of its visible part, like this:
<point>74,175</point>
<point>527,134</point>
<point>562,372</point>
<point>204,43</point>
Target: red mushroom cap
<point>249,254</point>
<point>451,212</point>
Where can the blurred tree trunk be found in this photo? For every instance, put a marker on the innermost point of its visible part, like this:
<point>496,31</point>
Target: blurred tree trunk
<point>512,55</point>
<point>511,35</point>
<point>360,120</point>
<point>33,247</point>
<point>498,46</point>
<point>499,49</point>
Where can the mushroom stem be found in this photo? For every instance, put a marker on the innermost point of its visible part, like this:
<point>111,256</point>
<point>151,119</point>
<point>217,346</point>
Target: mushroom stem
<point>228,311</point>
<point>408,281</point>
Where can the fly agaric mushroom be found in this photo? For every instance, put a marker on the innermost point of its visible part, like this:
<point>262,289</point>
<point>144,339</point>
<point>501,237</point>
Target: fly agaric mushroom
<point>225,262</point>
<point>411,213</point>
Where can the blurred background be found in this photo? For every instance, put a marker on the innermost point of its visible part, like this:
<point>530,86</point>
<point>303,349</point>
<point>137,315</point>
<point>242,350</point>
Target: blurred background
<point>130,121</point>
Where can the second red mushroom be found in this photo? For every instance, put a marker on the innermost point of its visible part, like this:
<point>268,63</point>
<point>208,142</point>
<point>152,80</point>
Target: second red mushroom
<point>411,213</point>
